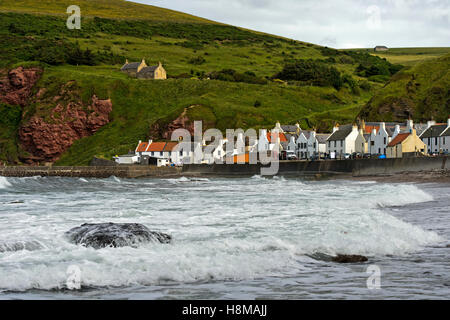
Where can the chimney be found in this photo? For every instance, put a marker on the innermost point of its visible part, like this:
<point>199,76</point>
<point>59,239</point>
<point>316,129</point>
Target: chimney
<point>448,123</point>
<point>383,126</point>
<point>126,61</point>
<point>355,127</point>
<point>335,128</point>
<point>150,141</point>
<point>363,125</point>
<point>409,125</point>
<point>430,123</point>
<point>263,133</point>
<point>397,128</point>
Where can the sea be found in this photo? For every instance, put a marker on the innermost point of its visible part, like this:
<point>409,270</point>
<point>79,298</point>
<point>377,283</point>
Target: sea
<point>233,238</point>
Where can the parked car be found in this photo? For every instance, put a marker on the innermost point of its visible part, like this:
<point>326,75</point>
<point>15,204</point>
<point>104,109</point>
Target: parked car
<point>347,155</point>
<point>291,156</point>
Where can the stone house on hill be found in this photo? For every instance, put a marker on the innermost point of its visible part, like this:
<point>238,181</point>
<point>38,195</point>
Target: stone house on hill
<point>140,70</point>
<point>380,48</point>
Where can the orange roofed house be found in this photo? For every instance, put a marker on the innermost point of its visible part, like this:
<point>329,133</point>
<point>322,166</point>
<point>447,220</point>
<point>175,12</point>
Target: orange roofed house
<point>405,144</point>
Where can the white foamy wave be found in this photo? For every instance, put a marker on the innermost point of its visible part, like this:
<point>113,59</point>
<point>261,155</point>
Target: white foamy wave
<point>4,183</point>
<point>83,180</point>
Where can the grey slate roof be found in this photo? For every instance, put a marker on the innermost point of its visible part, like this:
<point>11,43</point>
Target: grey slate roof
<point>306,133</point>
<point>342,133</point>
<point>150,69</point>
<point>131,66</point>
<point>289,128</point>
<point>322,137</point>
<point>446,133</point>
<point>288,136</point>
<point>434,131</point>
<point>420,128</point>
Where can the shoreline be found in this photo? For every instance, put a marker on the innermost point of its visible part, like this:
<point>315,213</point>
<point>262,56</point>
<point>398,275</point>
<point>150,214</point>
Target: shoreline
<point>137,172</point>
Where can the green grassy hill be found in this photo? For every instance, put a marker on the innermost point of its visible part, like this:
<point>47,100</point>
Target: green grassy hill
<point>409,56</point>
<point>116,9</point>
<point>239,77</point>
<point>421,92</point>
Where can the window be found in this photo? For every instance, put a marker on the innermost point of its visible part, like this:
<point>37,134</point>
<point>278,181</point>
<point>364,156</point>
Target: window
<point>153,153</point>
<point>161,153</point>
<point>314,145</point>
<point>443,142</point>
<point>372,143</point>
<point>435,141</point>
<point>379,151</point>
<point>181,153</point>
<point>335,143</point>
<point>342,143</point>
<point>384,140</point>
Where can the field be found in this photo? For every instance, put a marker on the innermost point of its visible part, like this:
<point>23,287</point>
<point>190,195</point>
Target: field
<point>410,56</point>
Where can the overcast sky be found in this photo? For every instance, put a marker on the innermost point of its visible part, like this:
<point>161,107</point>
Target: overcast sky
<point>333,23</point>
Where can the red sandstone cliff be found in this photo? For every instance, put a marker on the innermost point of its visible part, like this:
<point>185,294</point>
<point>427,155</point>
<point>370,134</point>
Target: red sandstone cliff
<point>47,135</point>
<point>47,141</point>
<point>16,87</point>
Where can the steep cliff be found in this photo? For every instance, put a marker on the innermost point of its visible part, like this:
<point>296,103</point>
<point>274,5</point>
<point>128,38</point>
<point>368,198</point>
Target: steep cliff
<point>50,123</point>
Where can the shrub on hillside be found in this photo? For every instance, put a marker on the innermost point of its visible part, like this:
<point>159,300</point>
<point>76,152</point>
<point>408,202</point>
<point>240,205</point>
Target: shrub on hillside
<point>234,76</point>
<point>311,72</point>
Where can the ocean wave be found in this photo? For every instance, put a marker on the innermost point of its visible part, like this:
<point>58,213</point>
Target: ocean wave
<point>4,183</point>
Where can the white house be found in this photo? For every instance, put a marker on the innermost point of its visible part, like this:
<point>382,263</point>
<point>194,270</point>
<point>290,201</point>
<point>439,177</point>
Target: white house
<point>345,139</point>
<point>322,142</point>
<point>382,138</point>
<point>445,138</point>
<point>433,136</point>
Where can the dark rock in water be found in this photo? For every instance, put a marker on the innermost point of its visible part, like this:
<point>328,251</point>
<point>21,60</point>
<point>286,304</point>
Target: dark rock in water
<point>20,245</point>
<point>114,235</point>
<point>448,246</point>
<point>346,258</point>
<point>321,256</point>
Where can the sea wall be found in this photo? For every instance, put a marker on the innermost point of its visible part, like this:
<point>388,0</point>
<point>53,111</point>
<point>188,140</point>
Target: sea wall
<point>132,171</point>
<point>356,167</point>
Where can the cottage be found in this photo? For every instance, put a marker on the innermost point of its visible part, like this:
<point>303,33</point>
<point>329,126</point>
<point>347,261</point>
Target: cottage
<point>445,139</point>
<point>381,49</point>
<point>140,70</point>
<point>405,144</point>
<point>345,139</point>
<point>432,136</point>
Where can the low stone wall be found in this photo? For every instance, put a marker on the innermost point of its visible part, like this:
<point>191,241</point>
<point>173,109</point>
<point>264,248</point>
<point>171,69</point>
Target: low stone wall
<point>356,167</point>
<point>91,172</point>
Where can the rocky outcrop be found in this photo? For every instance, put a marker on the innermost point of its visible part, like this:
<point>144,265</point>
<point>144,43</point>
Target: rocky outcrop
<point>347,258</point>
<point>114,235</point>
<point>16,87</point>
<point>161,130</point>
<point>340,258</point>
<point>46,139</point>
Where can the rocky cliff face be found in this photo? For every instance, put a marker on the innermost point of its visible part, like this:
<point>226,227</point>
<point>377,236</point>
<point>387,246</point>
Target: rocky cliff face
<point>62,119</point>
<point>46,140</point>
<point>16,87</point>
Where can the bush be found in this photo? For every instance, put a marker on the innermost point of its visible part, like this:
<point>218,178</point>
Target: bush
<point>197,60</point>
<point>257,104</point>
<point>234,76</point>
<point>311,72</point>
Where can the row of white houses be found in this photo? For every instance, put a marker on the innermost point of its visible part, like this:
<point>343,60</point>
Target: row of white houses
<point>374,138</point>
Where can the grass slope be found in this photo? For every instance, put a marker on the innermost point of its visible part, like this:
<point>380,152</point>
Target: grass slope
<point>422,92</point>
<point>118,9</point>
<point>138,104</point>
<point>409,56</point>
